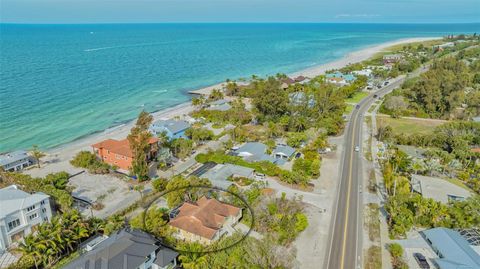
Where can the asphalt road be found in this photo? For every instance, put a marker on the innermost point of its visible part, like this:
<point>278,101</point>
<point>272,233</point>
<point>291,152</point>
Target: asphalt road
<point>345,246</point>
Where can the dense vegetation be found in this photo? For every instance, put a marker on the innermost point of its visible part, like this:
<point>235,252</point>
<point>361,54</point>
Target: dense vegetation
<point>88,160</point>
<point>450,89</point>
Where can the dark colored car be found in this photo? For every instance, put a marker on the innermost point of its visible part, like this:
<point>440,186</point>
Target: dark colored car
<point>421,260</point>
<point>357,106</point>
<point>375,96</point>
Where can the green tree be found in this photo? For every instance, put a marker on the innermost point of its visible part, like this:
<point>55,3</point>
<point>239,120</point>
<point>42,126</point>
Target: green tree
<point>37,154</point>
<point>139,140</point>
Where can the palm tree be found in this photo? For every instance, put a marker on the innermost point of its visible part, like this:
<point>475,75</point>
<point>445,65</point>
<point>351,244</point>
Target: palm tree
<point>193,258</point>
<point>30,247</point>
<point>37,154</point>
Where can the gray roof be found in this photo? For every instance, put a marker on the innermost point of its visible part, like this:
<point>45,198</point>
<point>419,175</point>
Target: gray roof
<point>219,102</point>
<point>284,150</point>
<point>174,126</point>
<point>126,249</point>
<point>411,151</point>
<point>222,107</point>
<point>252,148</point>
<point>13,199</point>
<point>455,251</point>
<point>476,119</point>
<point>438,189</point>
<point>218,175</point>
<point>13,156</point>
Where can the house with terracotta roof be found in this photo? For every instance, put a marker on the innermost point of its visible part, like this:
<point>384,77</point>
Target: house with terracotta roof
<point>205,220</point>
<point>118,152</point>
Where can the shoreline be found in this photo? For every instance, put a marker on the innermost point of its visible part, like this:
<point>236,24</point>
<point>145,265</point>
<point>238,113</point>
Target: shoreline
<point>69,149</point>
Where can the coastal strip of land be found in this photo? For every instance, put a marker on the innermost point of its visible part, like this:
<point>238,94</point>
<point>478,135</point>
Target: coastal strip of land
<point>62,154</point>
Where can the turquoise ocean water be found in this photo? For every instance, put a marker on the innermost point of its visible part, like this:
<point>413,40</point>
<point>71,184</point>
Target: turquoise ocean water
<point>62,82</point>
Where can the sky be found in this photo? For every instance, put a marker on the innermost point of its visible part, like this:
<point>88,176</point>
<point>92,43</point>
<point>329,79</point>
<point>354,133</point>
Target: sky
<point>151,11</point>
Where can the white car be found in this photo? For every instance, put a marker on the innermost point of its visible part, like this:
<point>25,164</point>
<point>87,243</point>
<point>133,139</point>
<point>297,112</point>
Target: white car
<point>357,149</point>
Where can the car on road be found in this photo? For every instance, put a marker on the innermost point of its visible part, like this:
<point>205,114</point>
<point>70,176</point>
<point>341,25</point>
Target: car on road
<point>375,96</point>
<point>386,83</point>
<point>421,260</point>
<point>357,148</point>
<point>357,106</point>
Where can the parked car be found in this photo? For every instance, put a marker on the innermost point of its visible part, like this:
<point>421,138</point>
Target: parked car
<point>375,96</point>
<point>386,83</point>
<point>357,148</point>
<point>259,176</point>
<point>421,260</point>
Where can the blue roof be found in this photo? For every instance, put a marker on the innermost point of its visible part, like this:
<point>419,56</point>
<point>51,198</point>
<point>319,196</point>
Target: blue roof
<point>454,250</point>
<point>284,149</point>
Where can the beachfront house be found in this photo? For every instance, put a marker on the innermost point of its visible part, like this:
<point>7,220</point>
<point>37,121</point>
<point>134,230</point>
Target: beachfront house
<point>172,128</point>
<point>391,58</point>
<point>125,249</point>
<point>299,98</point>
<point>20,214</point>
<point>219,105</point>
<point>443,46</point>
<point>205,220</point>
<point>118,152</point>
<point>339,78</point>
<point>16,160</point>
<point>364,72</point>
<point>438,189</point>
<point>283,152</point>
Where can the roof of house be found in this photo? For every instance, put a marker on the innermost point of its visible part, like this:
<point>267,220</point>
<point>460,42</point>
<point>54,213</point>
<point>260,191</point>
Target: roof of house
<point>476,150</point>
<point>203,218</point>
<point>300,79</point>
<point>220,107</point>
<point>13,156</point>
<point>284,150</point>
<point>174,126</point>
<point>13,199</point>
<point>288,80</point>
<point>455,250</point>
<point>476,119</point>
<point>120,147</point>
<point>412,151</point>
<point>438,189</point>
<point>218,175</point>
<point>126,249</point>
<point>218,102</point>
<point>255,152</point>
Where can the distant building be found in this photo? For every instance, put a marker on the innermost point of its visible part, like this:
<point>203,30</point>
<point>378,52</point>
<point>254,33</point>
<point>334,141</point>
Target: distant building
<point>443,46</point>
<point>204,221</point>
<point>438,189</point>
<point>20,214</point>
<point>118,152</point>
<point>220,105</point>
<point>173,128</point>
<point>219,174</point>
<point>453,250</point>
<point>16,160</point>
<point>299,98</point>
<point>476,119</point>
<point>339,78</point>
<point>364,72</point>
<point>125,249</point>
<point>391,58</point>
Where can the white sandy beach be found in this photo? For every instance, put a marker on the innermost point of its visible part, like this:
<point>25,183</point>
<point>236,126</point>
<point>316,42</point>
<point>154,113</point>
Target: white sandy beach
<point>62,154</point>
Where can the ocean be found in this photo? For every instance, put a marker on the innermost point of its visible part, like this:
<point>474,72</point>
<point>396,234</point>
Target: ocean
<point>62,82</point>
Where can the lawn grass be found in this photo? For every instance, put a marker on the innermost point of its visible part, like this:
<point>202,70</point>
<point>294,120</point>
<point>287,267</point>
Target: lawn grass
<point>357,97</point>
<point>348,109</point>
<point>408,126</point>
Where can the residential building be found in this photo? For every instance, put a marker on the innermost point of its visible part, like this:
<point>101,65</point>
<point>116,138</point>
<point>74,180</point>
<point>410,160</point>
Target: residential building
<point>220,173</point>
<point>118,152</point>
<point>220,105</point>
<point>299,98</point>
<point>443,46</point>
<point>20,214</point>
<point>391,58</point>
<point>438,189</point>
<point>205,220</point>
<point>254,152</point>
<point>16,160</point>
<point>339,78</point>
<point>454,252</point>
<point>476,119</point>
<point>364,72</point>
<point>172,128</point>
<point>283,152</point>
<point>125,249</point>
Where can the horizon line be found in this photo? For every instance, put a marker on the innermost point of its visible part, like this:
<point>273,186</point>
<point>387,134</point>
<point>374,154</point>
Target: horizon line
<point>236,22</point>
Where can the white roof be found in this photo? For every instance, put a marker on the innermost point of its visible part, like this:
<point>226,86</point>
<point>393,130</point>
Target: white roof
<point>438,189</point>
<point>13,199</point>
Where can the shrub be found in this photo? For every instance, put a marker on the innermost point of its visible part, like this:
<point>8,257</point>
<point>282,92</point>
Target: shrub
<point>88,160</point>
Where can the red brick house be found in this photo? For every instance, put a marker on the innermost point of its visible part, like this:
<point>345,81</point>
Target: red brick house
<point>118,152</point>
